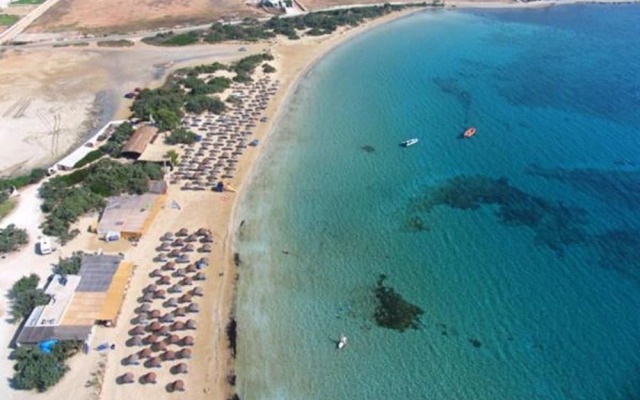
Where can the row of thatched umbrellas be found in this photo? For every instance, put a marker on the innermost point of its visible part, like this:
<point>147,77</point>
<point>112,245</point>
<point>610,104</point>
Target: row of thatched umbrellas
<point>155,329</point>
<point>216,156</point>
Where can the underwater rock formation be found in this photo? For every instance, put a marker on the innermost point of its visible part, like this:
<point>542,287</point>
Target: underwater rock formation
<point>393,311</point>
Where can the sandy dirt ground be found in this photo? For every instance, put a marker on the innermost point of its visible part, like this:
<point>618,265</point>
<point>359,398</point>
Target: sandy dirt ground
<point>50,97</point>
<point>105,16</point>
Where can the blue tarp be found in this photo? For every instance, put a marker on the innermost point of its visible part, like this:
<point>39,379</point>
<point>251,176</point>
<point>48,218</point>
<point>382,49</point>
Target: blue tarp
<point>47,345</point>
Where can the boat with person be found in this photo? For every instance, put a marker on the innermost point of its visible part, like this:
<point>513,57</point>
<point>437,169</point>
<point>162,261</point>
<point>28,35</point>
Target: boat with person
<point>342,342</point>
<point>469,132</point>
<point>409,142</point>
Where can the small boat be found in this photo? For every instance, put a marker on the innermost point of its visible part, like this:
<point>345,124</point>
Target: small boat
<point>469,132</point>
<point>342,342</point>
<point>409,142</point>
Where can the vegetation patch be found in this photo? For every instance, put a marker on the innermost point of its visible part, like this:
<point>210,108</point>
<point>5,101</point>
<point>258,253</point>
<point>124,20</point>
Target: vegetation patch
<point>393,311</point>
<point>181,136</point>
<point>116,141</point>
<point>69,265</point>
<point>37,370</point>
<point>7,19</point>
<point>25,296</point>
<point>89,158</point>
<point>116,43</point>
<point>35,176</point>
<point>251,30</point>
<point>6,206</point>
<point>27,2</point>
<point>12,238</point>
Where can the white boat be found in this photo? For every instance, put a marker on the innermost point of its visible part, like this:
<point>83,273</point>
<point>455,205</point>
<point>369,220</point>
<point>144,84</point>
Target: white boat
<point>409,142</point>
<point>342,342</point>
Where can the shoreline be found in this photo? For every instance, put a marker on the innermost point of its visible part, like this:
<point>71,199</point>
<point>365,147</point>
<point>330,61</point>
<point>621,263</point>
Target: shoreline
<point>276,112</point>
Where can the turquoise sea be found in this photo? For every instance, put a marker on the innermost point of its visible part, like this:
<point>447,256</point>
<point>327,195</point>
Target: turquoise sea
<point>521,245</point>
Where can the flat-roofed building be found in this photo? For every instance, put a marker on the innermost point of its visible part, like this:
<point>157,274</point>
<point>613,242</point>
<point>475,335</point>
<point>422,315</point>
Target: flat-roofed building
<point>129,217</point>
<point>78,302</point>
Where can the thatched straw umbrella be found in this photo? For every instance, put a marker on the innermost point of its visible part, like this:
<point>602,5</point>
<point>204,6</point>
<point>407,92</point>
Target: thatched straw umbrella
<point>191,268</point>
<point>197,291</point>
<point>207,239</point>
<point>143,319</point>
<point>188,248</point>
<point>167,318</point>
<point>180,368</point>
<point>145,353</point>
<point>160,257</point>
<point>151,339</point>
<point>147,298</point>
<point>150,288</point>
<point>143,308</point>
<point>165,280</point>
<point>177,326</point>
<point>179,273</point>
<point>169,355</point>
<point>182,232</point>
<point>172,339</point>
<point>206,248</point>
<point>150,377</point>
<point>165,246</point>
<point>177,243</point>
<point>191,324</point>
<point>160,346</point>
<point>167,236</point>
<point>127,377</point>
<point>185,298</point>
<point>175,289</point>
<point>179,312</point>
<point>133,359</point>
<point>169,266</point>
<point>193,308</point>
<point>183,259</point>
<point>178,386</point>
<point>186,281</point>
<point>203,231</point>
<point>159,294</point>
<point>199,277</point>
<point>154,326</point>
<point>155,273</point>
<point>153,314</point>
<point>187,341</point>
<point>172,302</point>
<point>184,354</point>
<point>163,331</point>
<point>137,330</point>
<point>192,238</point>
<point>135,341</point>
<point>175,253</point>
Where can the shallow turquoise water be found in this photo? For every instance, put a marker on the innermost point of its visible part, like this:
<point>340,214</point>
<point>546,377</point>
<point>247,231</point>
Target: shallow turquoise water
<point>543,271</point>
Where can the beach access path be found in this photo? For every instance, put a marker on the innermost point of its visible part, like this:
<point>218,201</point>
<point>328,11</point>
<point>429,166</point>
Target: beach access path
<point>24,22</point>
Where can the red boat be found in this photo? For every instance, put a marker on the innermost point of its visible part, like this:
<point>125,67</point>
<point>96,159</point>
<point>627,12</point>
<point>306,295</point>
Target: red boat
<point>469,132</point>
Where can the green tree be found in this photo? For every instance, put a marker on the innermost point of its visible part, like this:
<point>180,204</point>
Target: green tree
<point>181,135</point>
<point>11,238</point>
<point>166,119</point>
<point>172,156</point>
<point>36,370</point>
<point>69,265</point>
<point>25,296</point>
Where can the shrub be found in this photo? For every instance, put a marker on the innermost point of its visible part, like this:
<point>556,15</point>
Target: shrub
<point>89,158</point>
<point>37,370</point>
<point>25,296</point>
<point>182,136</point>
<point>12,238</point>
<point>69,265</point>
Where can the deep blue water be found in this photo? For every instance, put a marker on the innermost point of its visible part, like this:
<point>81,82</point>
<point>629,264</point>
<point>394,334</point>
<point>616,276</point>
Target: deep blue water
<point>522,244</point>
